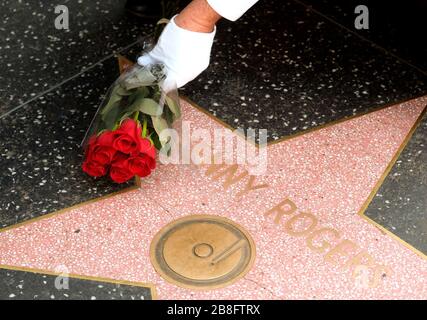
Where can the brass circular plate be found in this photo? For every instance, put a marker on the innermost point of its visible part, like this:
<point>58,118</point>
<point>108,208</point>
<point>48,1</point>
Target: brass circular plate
<point>202,252</point>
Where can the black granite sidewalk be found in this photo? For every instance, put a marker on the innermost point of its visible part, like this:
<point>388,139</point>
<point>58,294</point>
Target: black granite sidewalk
<point>24,285</point>
<point>287,68</point>
<point>400,205</point>
<point>395,26</point>
<point>36,57</point>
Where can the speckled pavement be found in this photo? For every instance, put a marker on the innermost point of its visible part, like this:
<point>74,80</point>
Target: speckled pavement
<point>311,243</point>
<point>338,214</point>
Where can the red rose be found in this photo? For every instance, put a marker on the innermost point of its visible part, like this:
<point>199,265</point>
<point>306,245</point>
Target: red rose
<point>124,151</point>
<point>103,155</point>
<point>141,165</point>
<point>128,137</point>
<point>102,150</point>
<point>146,147</point>
<point>91,165</point>
<point>106,138</point>
<point>94,169</point>
<point>119,171</point>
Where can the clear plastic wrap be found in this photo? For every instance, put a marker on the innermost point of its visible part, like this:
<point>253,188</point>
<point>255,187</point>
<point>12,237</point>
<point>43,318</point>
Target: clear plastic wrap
<point>125,134</point>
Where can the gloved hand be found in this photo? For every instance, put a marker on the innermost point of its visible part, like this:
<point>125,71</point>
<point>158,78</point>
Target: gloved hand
<point>185,54</point>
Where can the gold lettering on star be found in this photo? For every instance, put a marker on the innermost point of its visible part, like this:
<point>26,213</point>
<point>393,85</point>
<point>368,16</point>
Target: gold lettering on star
<point>343,253</point>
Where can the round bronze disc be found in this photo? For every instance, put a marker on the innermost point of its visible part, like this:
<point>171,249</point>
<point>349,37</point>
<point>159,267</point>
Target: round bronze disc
<point>202,252</point>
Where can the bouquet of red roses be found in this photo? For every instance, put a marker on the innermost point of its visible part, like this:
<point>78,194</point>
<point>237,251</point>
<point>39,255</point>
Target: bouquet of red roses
<point>124,153</point>
<point>126,132</point>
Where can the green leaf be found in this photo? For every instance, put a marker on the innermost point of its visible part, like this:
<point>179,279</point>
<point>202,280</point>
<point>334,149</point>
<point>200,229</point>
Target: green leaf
<point>168,116</point>
<point>125,116</point>
<point>124,92</point>
<point>173,106</point>
<point>139,93</point>
<point>148,106</point>
<point>111,109</point>
<point>157,94</point>
<point>142,92</point>
<point>159,125</point>
<point>155,138</point>
<point>114,100</point>
<point>110,119</point>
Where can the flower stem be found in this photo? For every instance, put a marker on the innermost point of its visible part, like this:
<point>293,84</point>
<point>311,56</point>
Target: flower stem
<point>135,117</point>
<point>144,128</point>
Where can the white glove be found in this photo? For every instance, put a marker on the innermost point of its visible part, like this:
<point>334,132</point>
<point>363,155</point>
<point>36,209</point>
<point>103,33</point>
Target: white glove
<point>231,9</point>
<point>186,54</point>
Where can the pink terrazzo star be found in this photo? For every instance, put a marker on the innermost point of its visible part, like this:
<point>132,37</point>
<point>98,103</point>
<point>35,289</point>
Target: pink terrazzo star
<point>327,174</point>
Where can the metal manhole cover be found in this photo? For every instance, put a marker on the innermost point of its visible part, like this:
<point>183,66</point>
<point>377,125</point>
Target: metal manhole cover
<point>202,252</point>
